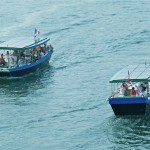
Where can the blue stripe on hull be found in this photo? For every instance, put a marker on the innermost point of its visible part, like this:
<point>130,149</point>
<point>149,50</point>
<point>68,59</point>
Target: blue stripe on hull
<point>131,100</point>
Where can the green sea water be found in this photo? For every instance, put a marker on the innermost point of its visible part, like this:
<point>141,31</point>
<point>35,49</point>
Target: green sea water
<point>63,106</point>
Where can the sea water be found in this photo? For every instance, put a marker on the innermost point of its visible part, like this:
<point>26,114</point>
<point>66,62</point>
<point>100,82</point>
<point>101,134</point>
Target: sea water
<point>63,106</point>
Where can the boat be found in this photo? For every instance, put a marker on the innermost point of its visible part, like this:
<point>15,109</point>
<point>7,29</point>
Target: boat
<point>24,56</point>
<point>130,90</point>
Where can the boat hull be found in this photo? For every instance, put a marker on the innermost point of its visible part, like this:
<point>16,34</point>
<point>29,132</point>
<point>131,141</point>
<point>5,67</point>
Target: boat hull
<point>128,106</point>
<point>129,109</point>
<point>20,71</point>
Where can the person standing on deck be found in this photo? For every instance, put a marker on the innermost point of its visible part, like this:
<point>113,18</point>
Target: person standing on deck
<point>7,58</point>
<point>125,90</point>
<point>2,61</point>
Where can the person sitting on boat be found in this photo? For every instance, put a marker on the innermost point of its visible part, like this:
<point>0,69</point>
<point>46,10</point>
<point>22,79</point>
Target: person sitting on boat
<point>147,87</point>
<point>27,56</point>
<point>143,87</point>
<point>49,47</point>
<point>125,90</point>
<point>138,87</point>
<point>22,55</point>
<point>21,62</point>
<point>45,48</point>
<point>12,62</point>
<point>2,61</point>
<point>7,58</point>
<point>133,92</point>
<point>42,53</point>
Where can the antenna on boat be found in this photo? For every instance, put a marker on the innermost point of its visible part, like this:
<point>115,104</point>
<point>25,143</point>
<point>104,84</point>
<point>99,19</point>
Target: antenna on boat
<point>128,75</point>
<point>129,81</point>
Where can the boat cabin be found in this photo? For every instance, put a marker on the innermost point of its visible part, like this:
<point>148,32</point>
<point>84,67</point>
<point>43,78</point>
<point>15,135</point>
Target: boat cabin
<point>132,81</point>
<point>21,52</point>
<point>23,56</point>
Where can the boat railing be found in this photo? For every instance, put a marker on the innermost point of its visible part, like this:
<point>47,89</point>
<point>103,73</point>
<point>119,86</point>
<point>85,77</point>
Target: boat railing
<point>17,59</point>
<point>119,95</point>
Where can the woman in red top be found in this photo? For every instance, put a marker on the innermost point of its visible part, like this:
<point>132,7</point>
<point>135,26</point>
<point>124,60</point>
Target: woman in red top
<point>133,92</point>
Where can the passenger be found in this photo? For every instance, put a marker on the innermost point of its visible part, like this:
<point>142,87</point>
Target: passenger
<point>2,61</point>
<point>133,92</point>
<point>21,62</point>
<point>32,55</point>
<point>27,56</point>
<point>147,87</point>
<point>12,63</point>
<point>143,87</point>
<point>139,90</point>
<point>41,54</point>
<point>22,55</point>
<point>7,58</point>
<point>35,56</point>
<point>44,48</point>
<point>15,58</point>
<point>125,89</point>
<point>50,46</point>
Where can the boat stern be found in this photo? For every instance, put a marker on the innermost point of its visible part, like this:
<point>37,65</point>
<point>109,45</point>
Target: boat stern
<point>128,105</point>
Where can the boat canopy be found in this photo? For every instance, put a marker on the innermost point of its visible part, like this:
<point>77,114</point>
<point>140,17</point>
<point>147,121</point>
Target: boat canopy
<point>21,44</point>
<point>135,73</point>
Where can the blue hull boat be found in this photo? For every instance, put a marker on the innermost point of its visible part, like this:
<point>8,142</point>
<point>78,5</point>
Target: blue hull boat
<point>24,59</point>
<point>128,106</point>
<point>130,90</point>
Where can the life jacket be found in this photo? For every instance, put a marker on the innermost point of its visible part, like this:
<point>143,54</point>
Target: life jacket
<point>39,47</point>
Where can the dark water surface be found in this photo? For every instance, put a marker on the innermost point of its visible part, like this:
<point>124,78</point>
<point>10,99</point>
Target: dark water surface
<point>64,107</point>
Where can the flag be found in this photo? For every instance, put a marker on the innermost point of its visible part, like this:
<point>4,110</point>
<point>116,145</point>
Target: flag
<point>128,75</point>
<point>36,32</point>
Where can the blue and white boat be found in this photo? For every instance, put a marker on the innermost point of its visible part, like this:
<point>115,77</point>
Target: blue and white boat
<point>23,56</point>
<point>130,90</point>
